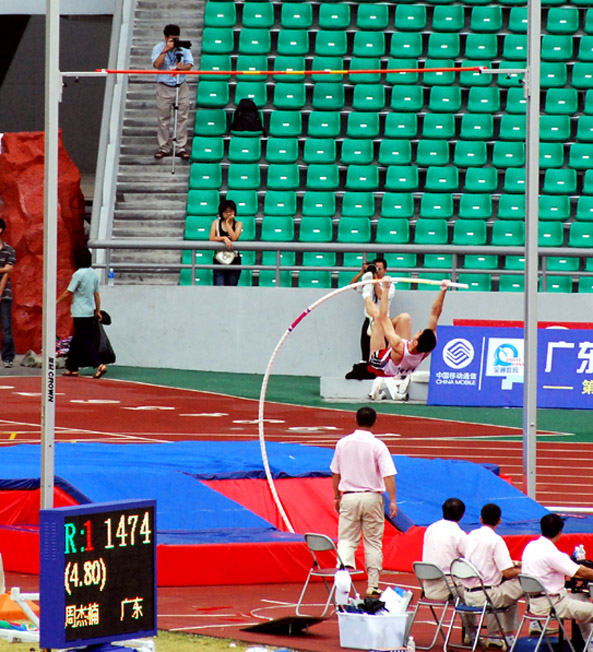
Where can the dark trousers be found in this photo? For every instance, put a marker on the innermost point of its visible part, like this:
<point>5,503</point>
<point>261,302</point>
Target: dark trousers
<point>226,275</point>
<point>83,349</point>
<point>365,340</point>
<point>6,323</point>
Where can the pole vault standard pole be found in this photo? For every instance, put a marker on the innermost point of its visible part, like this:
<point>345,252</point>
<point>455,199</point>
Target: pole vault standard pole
<point>175,111</point>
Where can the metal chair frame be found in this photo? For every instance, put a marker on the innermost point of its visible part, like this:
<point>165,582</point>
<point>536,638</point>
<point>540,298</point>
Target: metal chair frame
<point>322,543</point>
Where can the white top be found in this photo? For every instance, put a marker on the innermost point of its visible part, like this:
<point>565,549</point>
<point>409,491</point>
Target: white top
<point>362,461</point>
<point>444,541</point>
<point>488,552</point>
<point>542,559</point>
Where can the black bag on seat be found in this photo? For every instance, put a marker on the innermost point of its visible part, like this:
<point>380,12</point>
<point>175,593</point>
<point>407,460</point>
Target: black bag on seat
<point>247,118</point>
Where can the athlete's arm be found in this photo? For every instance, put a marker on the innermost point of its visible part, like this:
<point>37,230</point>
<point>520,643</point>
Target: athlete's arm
<point>437,307</point>
<point>394,340</point>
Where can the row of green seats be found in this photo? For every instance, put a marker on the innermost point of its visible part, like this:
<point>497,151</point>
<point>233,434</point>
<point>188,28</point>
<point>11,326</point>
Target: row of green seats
<point>504,3</point>
<point>401,17</point>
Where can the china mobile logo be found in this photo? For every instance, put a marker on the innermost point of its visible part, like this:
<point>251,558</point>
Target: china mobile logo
<point>458,353</point>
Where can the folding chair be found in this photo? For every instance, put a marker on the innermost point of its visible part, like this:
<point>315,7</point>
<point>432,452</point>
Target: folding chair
<point>322,543</point>
<point>532,587</point>
<point>424,572</point>
<point>462,569</point>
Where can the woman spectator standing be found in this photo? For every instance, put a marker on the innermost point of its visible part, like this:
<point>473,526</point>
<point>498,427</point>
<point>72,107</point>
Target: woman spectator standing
<point>83,290</point>
<point>226,229</point>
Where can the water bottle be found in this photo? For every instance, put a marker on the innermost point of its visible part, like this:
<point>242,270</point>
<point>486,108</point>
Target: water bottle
<point>111,277</point>
<point>411,647</point>
<point>581,554</point>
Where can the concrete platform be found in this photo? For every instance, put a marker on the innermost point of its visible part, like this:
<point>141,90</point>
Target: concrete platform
<point>338,388</point>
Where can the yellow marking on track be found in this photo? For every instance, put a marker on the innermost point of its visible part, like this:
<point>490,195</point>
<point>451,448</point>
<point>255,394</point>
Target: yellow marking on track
<point>12,435</point>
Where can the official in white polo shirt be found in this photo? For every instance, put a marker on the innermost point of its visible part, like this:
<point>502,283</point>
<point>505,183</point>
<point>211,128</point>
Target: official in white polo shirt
<point>488,552</point>
<point>542,559</point>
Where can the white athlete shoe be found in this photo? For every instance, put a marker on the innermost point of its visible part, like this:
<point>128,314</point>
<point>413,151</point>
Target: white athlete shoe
<point>367,290</point>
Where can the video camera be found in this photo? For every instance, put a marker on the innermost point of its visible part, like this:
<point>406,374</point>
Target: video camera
<point>371,268</point>
<point>182,44</point>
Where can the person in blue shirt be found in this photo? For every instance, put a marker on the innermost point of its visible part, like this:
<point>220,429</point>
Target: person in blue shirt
<point>85,308</point>
<point>166,55</point>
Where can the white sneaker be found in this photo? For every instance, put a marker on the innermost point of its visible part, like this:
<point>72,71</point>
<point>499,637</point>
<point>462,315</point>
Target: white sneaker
<point>367,290</point>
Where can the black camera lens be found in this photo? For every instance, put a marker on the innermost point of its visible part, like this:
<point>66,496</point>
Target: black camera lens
<point>182,44</point>
<point>371,268</point>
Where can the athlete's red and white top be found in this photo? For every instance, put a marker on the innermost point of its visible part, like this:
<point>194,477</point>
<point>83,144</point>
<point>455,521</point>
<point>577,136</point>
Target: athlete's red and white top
<point>381,363</point>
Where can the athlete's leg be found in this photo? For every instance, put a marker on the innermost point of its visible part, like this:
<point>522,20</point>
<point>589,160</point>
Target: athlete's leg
<point>402,324</point>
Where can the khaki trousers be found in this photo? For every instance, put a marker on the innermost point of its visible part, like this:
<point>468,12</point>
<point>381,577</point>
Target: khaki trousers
<point>505,594</point>
<point>165,103</point>
<point>568,605</point>
<point>362,513</point>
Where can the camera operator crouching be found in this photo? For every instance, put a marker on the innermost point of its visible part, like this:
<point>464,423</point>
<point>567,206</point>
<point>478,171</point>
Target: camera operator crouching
<point>172,93</point>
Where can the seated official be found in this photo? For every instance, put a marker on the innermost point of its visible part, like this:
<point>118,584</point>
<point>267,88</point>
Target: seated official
<point>542,559</point>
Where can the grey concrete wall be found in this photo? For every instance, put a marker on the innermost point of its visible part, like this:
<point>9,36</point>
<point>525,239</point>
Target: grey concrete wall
<point>73,7</point>
<point>237,329</point>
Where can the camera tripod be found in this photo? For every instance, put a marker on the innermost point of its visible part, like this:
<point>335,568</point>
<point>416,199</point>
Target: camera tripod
<point>175,112</point>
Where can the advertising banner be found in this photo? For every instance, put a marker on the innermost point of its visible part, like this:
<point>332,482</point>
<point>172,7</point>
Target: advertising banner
<point>484,367</point>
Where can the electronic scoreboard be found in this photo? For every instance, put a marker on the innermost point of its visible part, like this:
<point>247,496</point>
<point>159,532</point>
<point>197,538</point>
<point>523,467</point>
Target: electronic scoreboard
<point>97,573</point>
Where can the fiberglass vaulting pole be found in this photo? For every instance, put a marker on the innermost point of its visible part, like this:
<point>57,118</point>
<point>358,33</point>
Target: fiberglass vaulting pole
<point>50,240</point>
<point>532,94</point>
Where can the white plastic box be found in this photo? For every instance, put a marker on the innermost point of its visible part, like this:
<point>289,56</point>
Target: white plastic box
<point>366,631</point>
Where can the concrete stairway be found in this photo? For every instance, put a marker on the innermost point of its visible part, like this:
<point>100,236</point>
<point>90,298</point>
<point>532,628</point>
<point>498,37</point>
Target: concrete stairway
<point>150,199</point>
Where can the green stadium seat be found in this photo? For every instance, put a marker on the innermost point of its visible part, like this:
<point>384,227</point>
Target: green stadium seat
<point>344,277</point>
<point>436,205</point>
<point>246,200</point>
<point>410,18</point>
<point>580,235</point>
<point>407,46</point>
<point>483,99</point>
<point>358,204</point>
<point>267,278</point>
<point>588,27</point>
<point>513,127</point>
<point>321,67</point>
<point>508,233</point>
<point>393,231</point>
<point>443,46</point>
<point>561,101</point>
<point>318,204</point>
<point>511,283</point>
<point>399,261</point>
<point>514,263</point>
<point>202,277</point>
<point>476,282</point>
<point>296,15</point>
<point>255,41</point>
<point>397,125</point>
<point>202,257</point>
<point>440,261</point>
<point>508,154</point>
<point>477,126</point>
<point>438,126</point>
<point>283,176</point>
<point>255,91</point>
<point>218,40</point>
<point>352,259</point>
<point>445,99</point>
<point>244,176</point>
<point>330,43</point>
<point>481,46</point>
<point>560,182</point>
<point>289,96</point>
<point>584,212</point>
<point>510,79</point>
<point>324,124</point>
<point>280,203</point>
<point>401,178</point>
<point>582,77</point>
<point>368,97</point>
<point>248,232</point>
<point>480,261</point>
<point>475,206</point>
<point>469,233</point>
<point>362,177</point>
<point>514,181</point>
<point>249,64</point>
<point>257,14</point>
<point>440,77</point>
<point>432,152</point>
<point>585,52</point>
<point>334,16</point>
<point>581,156</point>
<point>518,20</point>
<point>480,179</point>
<point>556,48</point>
<point>554,74</point>
<point>511,207</point>
<point>328,96</point>
<point>277,228</point>
<point>357,152</point>
<point>484,20</point>
<point>516,102</point>
<point>322,177</point>
<point>315,229</point>
<point>448,18</point>
<point>584,129</point>
<point>319,150</point>
<point>556,128</point>
<point>210,122</point>
<point>441,178</point>
<point>550,234</point>
<point>562,20</point>
<point>470,153</point>
<point>205,176</point>
<point>285,124</point>
<point>360,63</point>
<point>213,94</point>
<point>585,284</point>
<point>293,42</point>
<point>431,232</point>
<point>402,78</point>
<point>207,150</point>
<point>407,98</point>
<point>216,62</point>
<point>555,283</point>
<point>244,150</point>
<point>514,47</point>
<point>317,259</point>
<point>393,152</point>
<point>197,227</point>
<point>588,106</point>
<point>246,277</point>
<point>282,150</point>
<point>474,77</point>
<point>396,205</point>
<point>220,14</point>
<point>588,182</point>
<point>284,64</point>
<point>354,229</point>
<point>315,279</point>
<point>372,17</point>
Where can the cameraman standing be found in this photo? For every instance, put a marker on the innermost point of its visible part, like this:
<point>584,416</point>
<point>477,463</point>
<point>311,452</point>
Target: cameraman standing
<point>170,55</point>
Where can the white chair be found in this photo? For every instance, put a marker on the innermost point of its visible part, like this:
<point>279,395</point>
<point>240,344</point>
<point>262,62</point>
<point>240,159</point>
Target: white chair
<point>427,572</point>
<point>533,588</point>
<point>322,543</point>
